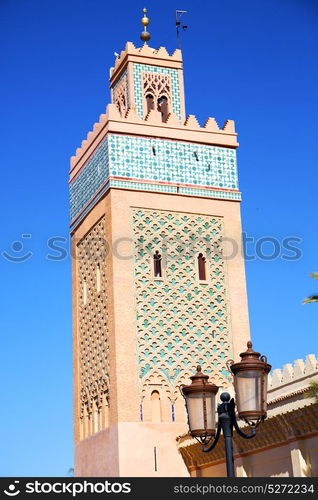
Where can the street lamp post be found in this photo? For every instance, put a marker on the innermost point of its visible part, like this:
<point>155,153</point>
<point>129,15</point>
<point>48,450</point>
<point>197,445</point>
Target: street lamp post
<point>250,385</point>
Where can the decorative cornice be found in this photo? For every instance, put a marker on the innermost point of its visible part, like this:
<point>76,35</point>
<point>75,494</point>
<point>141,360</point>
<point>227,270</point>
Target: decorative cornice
<point>172,129</point>
<point>289,395</point>
<point>145,55</point>
<point>291,373</point>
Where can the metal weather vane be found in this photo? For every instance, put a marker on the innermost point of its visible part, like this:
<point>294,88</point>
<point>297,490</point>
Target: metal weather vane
<point>179,25</point>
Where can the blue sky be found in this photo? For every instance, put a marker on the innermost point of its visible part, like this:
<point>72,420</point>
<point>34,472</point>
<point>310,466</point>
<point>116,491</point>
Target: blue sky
<point>253,61</point>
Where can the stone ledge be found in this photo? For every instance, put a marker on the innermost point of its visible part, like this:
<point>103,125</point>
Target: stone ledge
<point>189,131</point>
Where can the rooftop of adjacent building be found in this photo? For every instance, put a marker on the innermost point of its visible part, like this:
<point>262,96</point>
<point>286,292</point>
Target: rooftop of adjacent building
<point>287,386</point>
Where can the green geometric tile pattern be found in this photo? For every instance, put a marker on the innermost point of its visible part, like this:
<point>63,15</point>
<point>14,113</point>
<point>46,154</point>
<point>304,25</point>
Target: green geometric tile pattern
<point>172,161</point>
<point>192,166</point>
<point>89,180</point>
<point>143,186</point>
<point>138,91</point>
<point>180,321</point>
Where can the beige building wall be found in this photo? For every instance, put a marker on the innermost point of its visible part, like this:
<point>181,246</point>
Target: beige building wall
<point>128,412</point>
<point>297,458</point>
<point>130,443</point>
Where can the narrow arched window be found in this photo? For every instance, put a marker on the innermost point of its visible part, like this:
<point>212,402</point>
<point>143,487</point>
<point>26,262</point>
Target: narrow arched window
<point>155,406</point>
<point>163,107</point>
<point>84,291</point>
<point>201,267</point>
<point>98,278</point>
<point>157,265</point>
<point>150,102</point>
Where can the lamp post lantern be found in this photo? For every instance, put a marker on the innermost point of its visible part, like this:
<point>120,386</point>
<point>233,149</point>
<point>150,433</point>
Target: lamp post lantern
<point>250,386</point>
<point>200,404</point>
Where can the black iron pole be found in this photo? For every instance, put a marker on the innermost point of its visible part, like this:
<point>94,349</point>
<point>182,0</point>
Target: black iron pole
<point>227,420</point>
<point>227,428</point>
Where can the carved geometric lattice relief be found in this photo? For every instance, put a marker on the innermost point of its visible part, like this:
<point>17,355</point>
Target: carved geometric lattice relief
<point>93,331</point>
<point>139,69</point>
<point>181,321</point>
<point>157,85</point>
<point>120,94</point>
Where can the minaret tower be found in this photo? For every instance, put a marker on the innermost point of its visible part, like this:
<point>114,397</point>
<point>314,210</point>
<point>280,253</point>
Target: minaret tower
<point>153,198</point>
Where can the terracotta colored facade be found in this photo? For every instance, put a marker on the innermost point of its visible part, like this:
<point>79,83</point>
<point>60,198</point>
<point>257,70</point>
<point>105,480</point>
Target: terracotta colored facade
<point>151,193</point>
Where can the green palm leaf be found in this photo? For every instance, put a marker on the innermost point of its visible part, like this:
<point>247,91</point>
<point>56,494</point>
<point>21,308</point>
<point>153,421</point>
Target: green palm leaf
<point>312,391</point>
<point>312,298</point>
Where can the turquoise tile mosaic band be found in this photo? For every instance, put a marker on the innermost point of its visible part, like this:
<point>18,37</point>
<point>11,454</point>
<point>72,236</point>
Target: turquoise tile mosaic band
<point>89,180</point>
<point>172,161</point>
<point>143,186</point>
<point>156,165</point>
<point>138,69</point>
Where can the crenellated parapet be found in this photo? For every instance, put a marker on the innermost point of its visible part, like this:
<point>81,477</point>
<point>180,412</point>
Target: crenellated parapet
<point>286,387</point>
<point>145,141</point>
<point>142,72</point>
<point>153,126</point>
<point>127,152</point>
<point>299,370</point>
<point>146,54</point>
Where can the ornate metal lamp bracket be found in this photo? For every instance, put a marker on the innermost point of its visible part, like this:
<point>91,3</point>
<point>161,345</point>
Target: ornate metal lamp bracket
<point>227,420</point>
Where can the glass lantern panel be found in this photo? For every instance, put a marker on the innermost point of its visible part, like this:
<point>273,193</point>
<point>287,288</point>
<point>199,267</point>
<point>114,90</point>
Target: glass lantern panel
<point>264,394</point>
<point>248,391</point>
<point>195,407</point>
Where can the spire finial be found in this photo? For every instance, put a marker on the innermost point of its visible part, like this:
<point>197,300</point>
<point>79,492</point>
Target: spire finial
<point>145,35</point>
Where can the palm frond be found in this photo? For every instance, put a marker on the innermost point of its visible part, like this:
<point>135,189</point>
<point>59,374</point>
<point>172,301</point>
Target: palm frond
<point>312,298</point>
<point>312,390</point>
